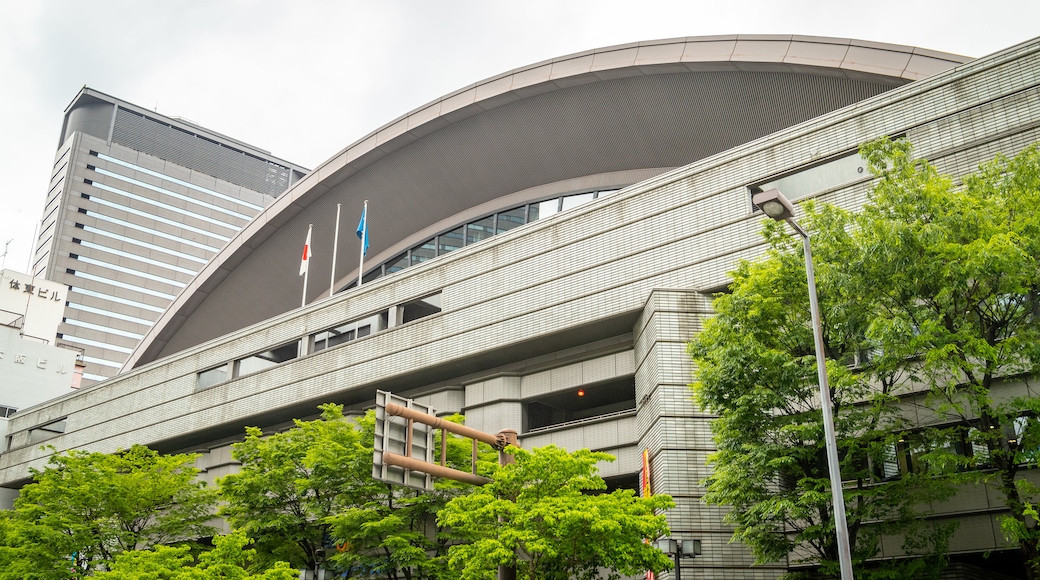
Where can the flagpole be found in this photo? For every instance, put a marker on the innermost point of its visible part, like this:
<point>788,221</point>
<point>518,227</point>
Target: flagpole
<point>335,247</point>
<point>306,271</point>
<point>364,236</point>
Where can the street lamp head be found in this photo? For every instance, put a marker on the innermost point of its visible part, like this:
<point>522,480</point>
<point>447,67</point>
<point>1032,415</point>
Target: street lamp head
<point>774,204</point>
<point>667,545</point>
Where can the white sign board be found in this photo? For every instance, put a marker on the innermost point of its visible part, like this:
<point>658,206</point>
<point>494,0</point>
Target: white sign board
<point>32,372</point>
<point>32,304</point>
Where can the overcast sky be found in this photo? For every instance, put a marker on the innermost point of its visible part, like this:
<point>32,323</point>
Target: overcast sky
<point>304,79</point>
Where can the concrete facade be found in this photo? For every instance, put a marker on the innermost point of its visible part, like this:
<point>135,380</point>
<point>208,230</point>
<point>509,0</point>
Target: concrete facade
<point>136,206</point>
<point>601,297</point>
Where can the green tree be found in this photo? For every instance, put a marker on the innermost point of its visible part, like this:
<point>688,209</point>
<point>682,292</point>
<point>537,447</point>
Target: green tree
<point>952,273</point>
<point>291,482</point>
<point>231,558</point>
<point>539,516</point>
<point>931,289</point>
<point>396,531</point>
<point>86,508</point>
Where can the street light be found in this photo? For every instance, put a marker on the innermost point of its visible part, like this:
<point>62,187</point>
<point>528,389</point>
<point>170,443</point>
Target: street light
<point>679,548</point>
<point>776,206</point>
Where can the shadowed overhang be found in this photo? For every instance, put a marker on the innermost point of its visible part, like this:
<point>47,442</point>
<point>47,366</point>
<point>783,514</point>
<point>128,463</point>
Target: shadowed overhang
<point>603,118</point>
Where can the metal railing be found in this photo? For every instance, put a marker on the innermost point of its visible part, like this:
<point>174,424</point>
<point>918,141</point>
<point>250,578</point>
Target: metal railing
<point>586,420</point>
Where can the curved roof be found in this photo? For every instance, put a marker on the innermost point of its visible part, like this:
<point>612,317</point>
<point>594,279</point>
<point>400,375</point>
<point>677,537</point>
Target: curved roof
<point>602,118</point>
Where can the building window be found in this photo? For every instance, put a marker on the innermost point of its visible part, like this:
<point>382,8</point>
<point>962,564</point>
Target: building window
<point>267,359</point>
<point>420,308</point>
<point>821,177</point>
<point>213,376</point>
<point>349,331</point>
<point>508,220</point>
<point>48,431</point>
<point>424,252</point>
<point>397,264</point>
<point>450,241</point>
<point>480,230</point>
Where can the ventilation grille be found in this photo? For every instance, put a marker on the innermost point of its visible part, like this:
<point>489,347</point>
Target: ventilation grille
<point>200,153</point>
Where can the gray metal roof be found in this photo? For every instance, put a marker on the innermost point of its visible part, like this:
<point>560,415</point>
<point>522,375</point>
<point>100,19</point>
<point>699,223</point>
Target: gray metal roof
<point>606,117</point>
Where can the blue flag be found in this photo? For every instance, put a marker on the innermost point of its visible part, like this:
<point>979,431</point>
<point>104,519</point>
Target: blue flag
<point>362,231</point>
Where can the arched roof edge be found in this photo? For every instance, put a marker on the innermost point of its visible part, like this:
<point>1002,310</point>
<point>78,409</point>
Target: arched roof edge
<point>850,58</point>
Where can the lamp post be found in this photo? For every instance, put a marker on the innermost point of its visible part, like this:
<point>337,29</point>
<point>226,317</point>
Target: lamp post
<point>679,548</point>
<point>777,207</point>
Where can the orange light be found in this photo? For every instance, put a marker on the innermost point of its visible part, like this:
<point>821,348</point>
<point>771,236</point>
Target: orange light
<point>581,392</point>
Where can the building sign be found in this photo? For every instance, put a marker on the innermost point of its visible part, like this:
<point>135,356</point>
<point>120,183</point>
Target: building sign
<point>32,371</point>
<point>33,305</point>
<point>35,289</point>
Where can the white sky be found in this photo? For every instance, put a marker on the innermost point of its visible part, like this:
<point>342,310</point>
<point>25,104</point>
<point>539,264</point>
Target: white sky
<point>304,79</point>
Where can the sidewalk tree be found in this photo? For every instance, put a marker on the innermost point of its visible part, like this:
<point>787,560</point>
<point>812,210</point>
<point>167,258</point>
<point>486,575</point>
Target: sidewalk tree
<point>544,516</point>
<point>84,509</point>
<point>932,289</point>
<point>291,482</point>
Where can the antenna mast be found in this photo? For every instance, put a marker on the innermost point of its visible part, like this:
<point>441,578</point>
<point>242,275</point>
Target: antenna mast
<point>3,257</point>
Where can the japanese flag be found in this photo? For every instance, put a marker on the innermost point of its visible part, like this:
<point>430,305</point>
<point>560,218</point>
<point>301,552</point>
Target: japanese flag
<point>306,254</point>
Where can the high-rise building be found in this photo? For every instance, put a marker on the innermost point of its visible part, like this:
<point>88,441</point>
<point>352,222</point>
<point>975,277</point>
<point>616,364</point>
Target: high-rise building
<point>137,203</point>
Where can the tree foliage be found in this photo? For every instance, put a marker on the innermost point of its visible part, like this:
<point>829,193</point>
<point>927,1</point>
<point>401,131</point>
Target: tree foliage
<point>396,531</point>
<point>230,559</point>
<point>541,516</point>
<point>931,288</point>
<point>84,509</point>
<point>291,482</point>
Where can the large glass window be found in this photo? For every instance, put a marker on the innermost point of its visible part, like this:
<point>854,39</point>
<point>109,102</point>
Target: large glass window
<point>424,252</point>
<point>267,359</point>
<point>480,230</point>
<point>397,264</point>
<point>487,227</point>
<point>377,273</point>
<point>450,241</point>
<point>508,220</point>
